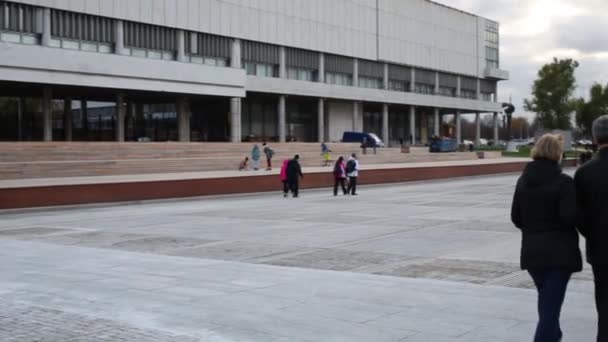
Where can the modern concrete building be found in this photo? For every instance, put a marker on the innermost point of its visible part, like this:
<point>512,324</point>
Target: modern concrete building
<point>232,70</point>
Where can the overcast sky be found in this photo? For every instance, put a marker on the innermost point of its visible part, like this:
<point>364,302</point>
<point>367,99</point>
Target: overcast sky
<point>532,32</point>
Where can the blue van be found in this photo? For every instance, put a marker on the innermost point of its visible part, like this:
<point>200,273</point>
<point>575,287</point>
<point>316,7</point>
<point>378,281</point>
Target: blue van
<point>357,137</point>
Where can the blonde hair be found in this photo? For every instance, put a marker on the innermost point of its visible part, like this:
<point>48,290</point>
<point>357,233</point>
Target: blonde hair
<point>549,146</point>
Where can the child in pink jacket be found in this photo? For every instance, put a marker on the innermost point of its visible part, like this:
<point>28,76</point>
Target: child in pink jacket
<point>284,177</point>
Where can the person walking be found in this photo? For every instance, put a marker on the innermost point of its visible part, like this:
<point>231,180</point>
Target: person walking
<point>544,208</point>
<point>340,176</point>
<point>592,200</point>
<point>352,171</point>
<point>269,153</point>
<point>283,176</point>
<point>294,174</point>
<point>255,157</point>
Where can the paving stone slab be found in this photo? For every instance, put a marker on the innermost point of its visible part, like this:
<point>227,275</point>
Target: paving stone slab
<point>24,233</point>
<point>470,271</point>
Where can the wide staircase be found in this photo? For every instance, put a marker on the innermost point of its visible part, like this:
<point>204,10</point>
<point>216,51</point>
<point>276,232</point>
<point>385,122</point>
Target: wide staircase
<point>73,159</point>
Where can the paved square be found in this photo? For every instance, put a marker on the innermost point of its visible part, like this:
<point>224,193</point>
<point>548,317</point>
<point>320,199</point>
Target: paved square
<point>433,261</point>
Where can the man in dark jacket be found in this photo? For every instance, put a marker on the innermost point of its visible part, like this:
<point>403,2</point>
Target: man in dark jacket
<point>294,173</point>
<point>592,197</point>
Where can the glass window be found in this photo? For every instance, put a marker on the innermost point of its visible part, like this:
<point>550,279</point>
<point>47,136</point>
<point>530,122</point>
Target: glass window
<point>492,60</point>
<point>447,91</point>
<point>468,94</point>
<point>370,82</point>
<point>250,68</point>
<point>424,88</point>
<point>398,85</point>
<point>492,37</point>
<point>300,74</point>
<point>339,78</point>
<point>256,69</point>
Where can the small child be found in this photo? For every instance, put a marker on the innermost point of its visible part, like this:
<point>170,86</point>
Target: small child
<point>244,165</point>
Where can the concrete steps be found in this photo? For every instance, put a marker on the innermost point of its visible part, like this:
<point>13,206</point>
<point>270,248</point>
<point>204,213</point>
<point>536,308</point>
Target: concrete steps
<point>47,160</point>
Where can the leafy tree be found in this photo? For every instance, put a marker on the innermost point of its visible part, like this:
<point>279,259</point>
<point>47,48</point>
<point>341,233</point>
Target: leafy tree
<point>588,111</point>
<point>520,127</point>
<point>552,99</point>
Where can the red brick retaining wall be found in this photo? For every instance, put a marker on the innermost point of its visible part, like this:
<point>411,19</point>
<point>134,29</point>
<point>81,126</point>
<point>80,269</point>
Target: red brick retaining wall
<point>30,197</point>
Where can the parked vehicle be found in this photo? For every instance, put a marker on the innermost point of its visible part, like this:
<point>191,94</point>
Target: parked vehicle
<point>443,145</point>
<point>358,137</point>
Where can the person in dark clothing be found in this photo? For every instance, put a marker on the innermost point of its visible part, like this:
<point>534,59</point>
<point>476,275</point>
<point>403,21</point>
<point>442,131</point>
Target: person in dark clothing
<point>294,174</point>
<point>592,200</point>
<point>544,208</point>
<point>340,176</point>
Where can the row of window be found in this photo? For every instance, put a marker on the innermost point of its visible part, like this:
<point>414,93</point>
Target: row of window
<point>17,17</point>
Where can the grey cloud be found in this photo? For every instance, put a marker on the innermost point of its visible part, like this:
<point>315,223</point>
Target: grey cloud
<point>587,34</point>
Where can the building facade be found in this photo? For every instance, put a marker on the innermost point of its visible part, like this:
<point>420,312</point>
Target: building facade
<point>237,70</point>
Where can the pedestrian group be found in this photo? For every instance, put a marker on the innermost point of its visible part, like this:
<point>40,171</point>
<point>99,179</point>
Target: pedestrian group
<point>552,209</point>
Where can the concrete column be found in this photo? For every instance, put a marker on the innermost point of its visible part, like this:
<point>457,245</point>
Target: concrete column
<point>321,120</point>
<point>183,119</point>
<point>119,32</point>
<point>458,87</point>
<point>139,120</point>
<point>20,107</point>
<point>386,77</point>
<point>282,121</point>
<point>47,113</point>
<point>67,119</point>
<point>235,54</point>
<point>412,125</point>
<point>424,128</point>
<point>495,123</point>
<point>477,129</point>
<point>321,76</point>
<point>85,118</point>
<point>458,128</point>
<point>478,96</point>
<point>356,73</point>
<point>436,83</point>
<point>385,135</point>
<point>235,120</point>
<point>121,111</point>
<point>356,106</point>
<point>412,80</point>
<point>181,46</point>
<point>436,123</point>
<point>46,27</point>
<point>282,62</point>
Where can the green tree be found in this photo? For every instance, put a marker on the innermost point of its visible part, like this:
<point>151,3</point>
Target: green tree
<point>588,111</point>
<point>552,99</point>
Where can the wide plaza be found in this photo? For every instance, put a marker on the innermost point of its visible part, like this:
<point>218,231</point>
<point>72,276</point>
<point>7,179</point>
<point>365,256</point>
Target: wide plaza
<point>431,261</point>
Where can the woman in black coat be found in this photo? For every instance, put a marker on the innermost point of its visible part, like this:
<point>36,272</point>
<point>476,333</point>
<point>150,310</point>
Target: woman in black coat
<point>544,208</point>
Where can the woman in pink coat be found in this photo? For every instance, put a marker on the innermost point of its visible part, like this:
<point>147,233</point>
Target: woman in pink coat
<point>284,177</point>
<point>340,176</point>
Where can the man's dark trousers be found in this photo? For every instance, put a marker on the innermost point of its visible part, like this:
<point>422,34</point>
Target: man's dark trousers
<point>600,273</point>
<point>551,286</point>
<point>352,186</point>
<point>294,186</point>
